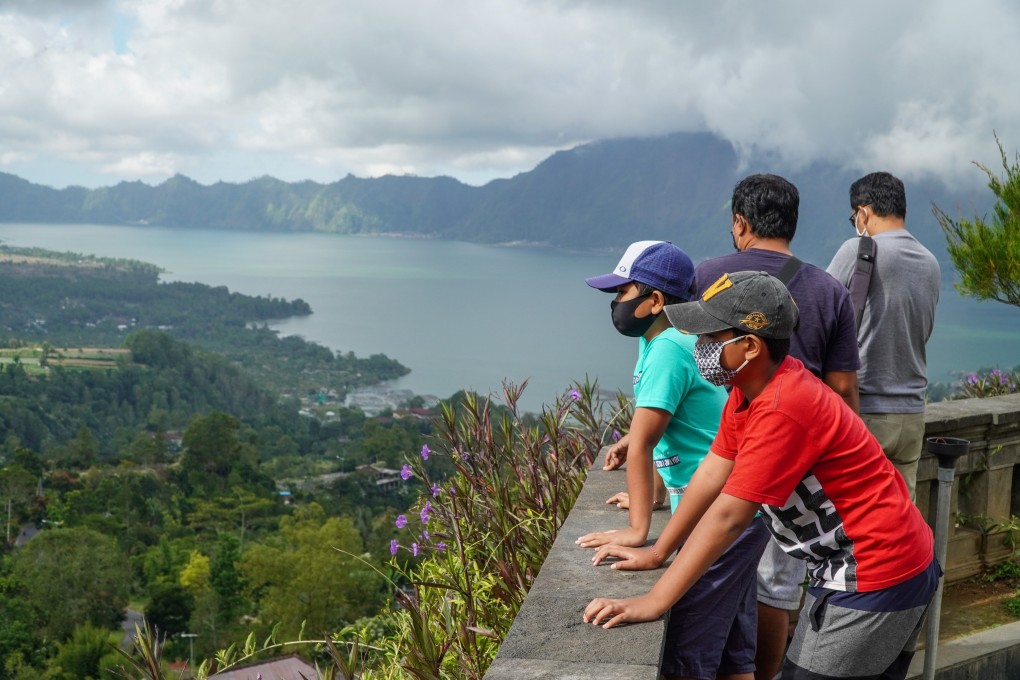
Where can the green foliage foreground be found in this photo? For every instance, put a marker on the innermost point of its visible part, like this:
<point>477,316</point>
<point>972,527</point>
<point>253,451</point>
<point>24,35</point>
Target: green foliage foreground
<point>471,547</point>
<point>987,255</point>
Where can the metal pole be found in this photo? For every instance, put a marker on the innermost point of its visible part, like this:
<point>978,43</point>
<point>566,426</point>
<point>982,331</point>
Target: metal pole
<point>191,651</point>
<point>947,450</point>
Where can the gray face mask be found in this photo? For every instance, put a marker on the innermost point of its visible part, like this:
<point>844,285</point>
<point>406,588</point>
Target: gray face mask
<point>707,356</point>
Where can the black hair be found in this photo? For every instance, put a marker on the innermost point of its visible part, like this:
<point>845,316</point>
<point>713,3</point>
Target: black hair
<point>883,192</point>
<point>667,298</point>
<point>769,203</point>
<point>778,347</point>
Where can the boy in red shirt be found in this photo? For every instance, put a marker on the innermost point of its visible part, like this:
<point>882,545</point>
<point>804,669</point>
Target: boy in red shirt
<point>789,447</point>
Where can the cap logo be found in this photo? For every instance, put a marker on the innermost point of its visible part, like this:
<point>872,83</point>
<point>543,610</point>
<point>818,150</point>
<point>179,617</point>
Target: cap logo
<point>719,286</point>
<point>755,321</point>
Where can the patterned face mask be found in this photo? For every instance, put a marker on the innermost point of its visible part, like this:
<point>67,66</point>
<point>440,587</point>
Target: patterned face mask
<point>707,355</point>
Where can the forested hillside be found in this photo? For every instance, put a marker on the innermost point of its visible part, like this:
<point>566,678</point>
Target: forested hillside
<point>599,195</point>
<point>150,461</point>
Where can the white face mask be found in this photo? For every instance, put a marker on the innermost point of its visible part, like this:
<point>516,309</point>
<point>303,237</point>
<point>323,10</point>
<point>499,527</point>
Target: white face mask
<point>861,231</point>
<point>707,356</point>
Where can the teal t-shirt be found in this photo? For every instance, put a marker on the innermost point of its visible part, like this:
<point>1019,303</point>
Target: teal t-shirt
<point>666,377</point>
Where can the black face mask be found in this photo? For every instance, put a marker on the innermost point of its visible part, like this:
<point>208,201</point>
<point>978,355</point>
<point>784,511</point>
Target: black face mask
<point>626,322</point>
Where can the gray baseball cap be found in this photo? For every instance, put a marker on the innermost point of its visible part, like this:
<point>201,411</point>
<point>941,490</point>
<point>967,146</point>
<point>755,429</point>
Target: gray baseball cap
<point>750,301</point>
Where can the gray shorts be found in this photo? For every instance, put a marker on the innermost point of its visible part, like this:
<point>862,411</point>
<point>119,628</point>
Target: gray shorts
<point>860,635</point>
<point>780,578</point>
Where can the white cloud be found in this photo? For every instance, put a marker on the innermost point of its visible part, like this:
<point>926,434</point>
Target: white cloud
<point>100,91</point>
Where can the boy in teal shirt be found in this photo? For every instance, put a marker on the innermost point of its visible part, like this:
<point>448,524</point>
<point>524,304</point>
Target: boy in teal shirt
<point>676,416</point>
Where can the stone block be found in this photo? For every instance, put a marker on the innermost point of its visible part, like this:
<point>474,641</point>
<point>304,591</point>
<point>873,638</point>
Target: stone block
<point>963,555</point>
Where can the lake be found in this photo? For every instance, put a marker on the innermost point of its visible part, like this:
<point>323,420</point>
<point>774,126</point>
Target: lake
<point>459,315</point>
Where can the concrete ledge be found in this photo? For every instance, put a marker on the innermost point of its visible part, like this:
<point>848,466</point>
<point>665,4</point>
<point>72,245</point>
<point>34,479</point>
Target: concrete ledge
<point>548,638</point>
<point>989,655</point>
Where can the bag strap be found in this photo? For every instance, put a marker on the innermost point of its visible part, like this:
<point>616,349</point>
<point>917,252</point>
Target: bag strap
<point>860,281</point>
<point>790,268</point>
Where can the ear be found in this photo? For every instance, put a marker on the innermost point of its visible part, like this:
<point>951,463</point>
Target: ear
<point>658,301</point>
<point>755,348</point>
<point>740,226</point>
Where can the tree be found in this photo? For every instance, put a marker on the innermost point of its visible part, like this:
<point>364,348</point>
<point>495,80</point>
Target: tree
<point>987,256</point>
<point>85,655</point>
<point>83,448</point>
<point>71,577</point>
<point>169,609</point>
<point>306,575</point>
<point>239,510</point>
<point>17,486</point>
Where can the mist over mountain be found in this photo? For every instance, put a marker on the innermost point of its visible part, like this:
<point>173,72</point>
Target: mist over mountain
<point>601,195</point>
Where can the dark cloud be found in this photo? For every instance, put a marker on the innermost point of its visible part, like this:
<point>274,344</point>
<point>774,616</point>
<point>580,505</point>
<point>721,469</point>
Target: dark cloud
<point>485,88</point>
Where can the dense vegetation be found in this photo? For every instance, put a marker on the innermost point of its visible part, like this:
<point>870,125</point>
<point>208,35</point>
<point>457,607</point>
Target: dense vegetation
<point>675,187</point>
<point>476,539</point>
<point>148,475</point>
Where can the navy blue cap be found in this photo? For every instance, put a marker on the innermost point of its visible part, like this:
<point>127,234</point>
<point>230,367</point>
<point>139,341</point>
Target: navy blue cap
<point>658,264</point>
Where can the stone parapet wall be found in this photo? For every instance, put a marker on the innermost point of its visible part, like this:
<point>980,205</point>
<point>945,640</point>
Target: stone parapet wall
<point>548,639</point>
<point>986,488</point>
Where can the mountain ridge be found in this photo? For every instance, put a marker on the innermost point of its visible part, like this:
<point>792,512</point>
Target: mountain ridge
<point>597,196</point>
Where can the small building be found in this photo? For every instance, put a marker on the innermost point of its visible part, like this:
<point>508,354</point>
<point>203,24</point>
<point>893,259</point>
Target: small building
<point>290,667</point>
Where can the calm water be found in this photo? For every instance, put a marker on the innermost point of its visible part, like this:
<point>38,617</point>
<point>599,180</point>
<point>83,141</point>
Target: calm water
<point>459,315</point>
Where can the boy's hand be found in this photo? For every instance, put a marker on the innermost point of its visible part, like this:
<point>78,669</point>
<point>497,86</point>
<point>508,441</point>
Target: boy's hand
<point>629,558</point>
<point>624,537</point>
<point>622,501</point>
<point>617,453</point>
<point>609,613</point>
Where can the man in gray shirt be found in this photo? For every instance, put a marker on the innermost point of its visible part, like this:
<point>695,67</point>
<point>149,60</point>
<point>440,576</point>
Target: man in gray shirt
<point>898,319</point>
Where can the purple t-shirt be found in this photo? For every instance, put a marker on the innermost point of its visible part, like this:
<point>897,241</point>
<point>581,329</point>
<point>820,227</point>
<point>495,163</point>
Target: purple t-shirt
<point>826,339</point>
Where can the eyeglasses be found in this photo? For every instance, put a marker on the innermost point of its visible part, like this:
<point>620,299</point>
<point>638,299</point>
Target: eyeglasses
<point>853,218</point>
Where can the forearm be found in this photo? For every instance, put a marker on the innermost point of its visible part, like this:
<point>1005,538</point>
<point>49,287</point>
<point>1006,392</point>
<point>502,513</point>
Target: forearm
<point>661,494</point>
<point>639,488</point>
<point>720,526</point>
<point>702,491</point>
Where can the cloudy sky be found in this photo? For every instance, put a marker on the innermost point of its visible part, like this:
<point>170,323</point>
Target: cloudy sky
<point>97,91</point>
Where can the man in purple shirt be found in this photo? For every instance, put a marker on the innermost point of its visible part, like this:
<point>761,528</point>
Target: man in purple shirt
<point>765,210</point>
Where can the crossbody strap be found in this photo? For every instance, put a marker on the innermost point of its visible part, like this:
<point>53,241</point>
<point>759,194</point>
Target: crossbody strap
<point>860,281</point>
<point>790,268</point>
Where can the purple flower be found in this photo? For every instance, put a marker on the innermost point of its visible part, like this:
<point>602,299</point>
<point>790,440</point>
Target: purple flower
<point>394,546</point>
<point>435,490</point>
<point>401,521</point>
<point>424,535</point>
<point>405,472</point>
<point>575,395</point>
<point>425,513</point>
<point>616,435</point>
<point>441,546</point>
<point>425,452</point>
<point>972,379</point>
<point>414,549</point>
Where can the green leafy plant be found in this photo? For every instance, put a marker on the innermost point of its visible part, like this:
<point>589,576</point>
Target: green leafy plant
<point>1012,604</point>
<point>988,383</point>
<point>987,255</point>
<point>481,536</point>
<point>473,544</point>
